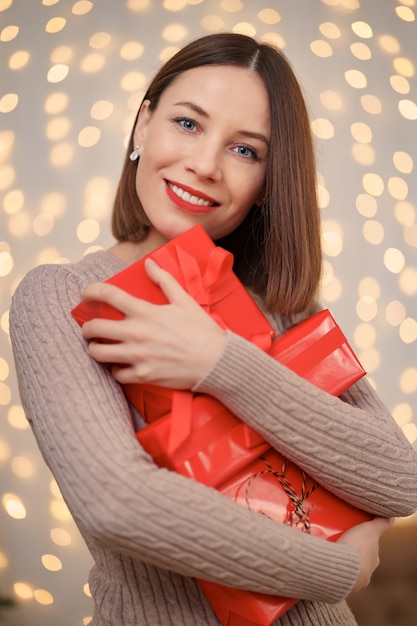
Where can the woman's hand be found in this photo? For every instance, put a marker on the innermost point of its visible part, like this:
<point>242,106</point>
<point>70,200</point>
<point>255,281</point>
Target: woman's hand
<point>365,538</point>
<point>172,345</point>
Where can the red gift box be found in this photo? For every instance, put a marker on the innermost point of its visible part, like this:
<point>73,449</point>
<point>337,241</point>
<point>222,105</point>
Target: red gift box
<point>198,437</point>
<point>215,432</point>
<point>204,270</point>
<point>317,350</point>
<point>276,488</point>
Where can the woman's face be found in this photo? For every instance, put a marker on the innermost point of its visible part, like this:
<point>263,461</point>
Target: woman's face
<point>203,151</point>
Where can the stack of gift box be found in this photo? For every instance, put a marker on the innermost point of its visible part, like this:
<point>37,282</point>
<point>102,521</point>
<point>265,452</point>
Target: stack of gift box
<point>197,436</point>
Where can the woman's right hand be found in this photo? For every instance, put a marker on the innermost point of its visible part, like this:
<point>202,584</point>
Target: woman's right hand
<point>365,538</point>
<point>173,345</point>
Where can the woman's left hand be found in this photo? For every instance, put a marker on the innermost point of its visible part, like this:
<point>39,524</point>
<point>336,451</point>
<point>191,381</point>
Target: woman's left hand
<point>173,345</point>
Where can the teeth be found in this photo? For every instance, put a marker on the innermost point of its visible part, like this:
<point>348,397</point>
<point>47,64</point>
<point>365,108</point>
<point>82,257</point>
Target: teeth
<point>187,197</point>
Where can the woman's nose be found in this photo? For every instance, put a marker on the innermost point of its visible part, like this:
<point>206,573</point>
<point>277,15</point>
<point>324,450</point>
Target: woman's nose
<point>205,160</point>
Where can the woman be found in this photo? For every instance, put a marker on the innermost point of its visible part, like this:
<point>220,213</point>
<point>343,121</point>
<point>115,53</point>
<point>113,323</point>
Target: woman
<point>221,139</point>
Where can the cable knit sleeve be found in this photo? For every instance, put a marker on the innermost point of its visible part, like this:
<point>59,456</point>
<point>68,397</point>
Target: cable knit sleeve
<point>121,500</point>
<point>351,445</point>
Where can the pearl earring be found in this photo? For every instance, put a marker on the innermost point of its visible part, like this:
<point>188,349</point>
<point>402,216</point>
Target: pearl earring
<point>134,155</point>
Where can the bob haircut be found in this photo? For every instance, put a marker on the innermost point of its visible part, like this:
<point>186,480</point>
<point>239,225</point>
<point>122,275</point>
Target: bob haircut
<point>277,248</point>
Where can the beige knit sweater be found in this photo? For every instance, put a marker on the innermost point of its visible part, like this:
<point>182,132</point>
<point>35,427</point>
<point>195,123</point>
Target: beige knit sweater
<point>151,531</point>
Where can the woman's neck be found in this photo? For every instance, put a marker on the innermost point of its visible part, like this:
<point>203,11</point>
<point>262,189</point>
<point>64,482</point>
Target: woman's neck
<point>131,251</point>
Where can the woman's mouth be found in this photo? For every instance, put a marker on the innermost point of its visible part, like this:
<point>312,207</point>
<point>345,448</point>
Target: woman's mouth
<point>188,200</point>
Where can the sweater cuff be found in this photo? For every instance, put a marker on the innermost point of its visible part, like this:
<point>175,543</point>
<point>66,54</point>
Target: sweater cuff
<point>236,379</point>
<point>224,367</point>
<point>334,569</point>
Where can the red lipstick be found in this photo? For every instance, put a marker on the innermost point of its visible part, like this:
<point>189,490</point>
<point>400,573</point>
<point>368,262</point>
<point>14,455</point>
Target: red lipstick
<point>183,201</point>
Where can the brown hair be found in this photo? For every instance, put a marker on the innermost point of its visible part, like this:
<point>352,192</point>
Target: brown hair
<point>277,247</point>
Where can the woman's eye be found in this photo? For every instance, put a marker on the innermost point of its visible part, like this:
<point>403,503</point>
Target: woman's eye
<point>186,124</point>
<point>246,152</point>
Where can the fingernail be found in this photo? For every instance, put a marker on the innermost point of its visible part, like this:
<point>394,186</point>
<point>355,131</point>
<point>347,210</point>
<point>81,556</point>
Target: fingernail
<point>151,262</point>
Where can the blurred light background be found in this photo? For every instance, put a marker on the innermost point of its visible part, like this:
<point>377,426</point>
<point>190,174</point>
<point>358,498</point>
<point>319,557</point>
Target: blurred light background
<point>71,77</point>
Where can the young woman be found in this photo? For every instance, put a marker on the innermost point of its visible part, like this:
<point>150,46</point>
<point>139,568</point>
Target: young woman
<point>221,139</point>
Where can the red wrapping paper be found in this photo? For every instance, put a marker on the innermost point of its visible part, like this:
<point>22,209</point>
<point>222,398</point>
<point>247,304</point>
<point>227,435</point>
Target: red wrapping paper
<point>205,272</point>
<point>196,436</point>
<point>218,443</point>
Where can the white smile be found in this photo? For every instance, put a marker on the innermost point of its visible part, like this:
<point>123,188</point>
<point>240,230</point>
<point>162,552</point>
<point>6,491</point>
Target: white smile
<point>187,197</point>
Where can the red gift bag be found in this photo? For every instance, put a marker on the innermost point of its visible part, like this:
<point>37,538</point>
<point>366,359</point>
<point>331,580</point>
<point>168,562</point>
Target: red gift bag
<point>198,437</point>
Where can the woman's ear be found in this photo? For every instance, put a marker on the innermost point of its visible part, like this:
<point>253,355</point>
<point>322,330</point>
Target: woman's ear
<point>145,114</point>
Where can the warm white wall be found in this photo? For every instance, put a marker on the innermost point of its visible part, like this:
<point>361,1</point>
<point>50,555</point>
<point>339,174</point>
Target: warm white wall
<point>56,193</point>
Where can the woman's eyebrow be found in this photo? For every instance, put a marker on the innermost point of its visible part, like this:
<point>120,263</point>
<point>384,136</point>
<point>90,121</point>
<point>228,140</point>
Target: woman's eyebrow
<point>247,133</point>
<point>252,135</point>
<point>193,107</point>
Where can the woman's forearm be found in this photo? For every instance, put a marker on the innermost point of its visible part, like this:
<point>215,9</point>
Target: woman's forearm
<point>353,447</point>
